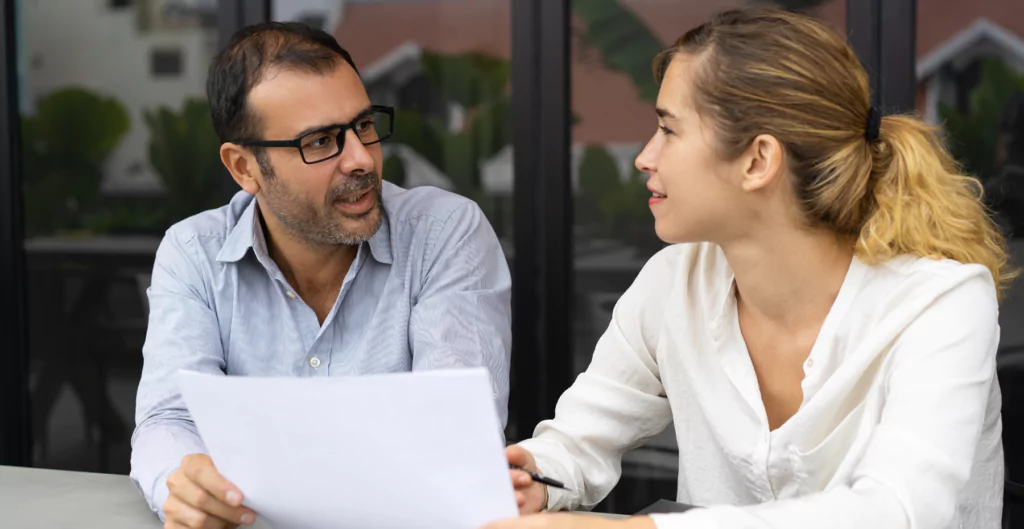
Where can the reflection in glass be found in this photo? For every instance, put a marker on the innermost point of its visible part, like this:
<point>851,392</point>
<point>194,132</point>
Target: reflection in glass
<point>116,146</point>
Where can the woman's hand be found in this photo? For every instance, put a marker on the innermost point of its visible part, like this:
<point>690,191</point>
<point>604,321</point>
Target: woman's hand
<point>571,521</point>
<point>531,496</point>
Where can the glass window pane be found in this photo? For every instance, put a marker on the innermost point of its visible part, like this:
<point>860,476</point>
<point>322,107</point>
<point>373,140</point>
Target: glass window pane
<point>117,146</point>
<point>613,227</point>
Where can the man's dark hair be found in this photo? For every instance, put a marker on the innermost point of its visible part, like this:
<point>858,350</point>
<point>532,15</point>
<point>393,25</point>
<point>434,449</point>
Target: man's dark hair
<point>253,51</point>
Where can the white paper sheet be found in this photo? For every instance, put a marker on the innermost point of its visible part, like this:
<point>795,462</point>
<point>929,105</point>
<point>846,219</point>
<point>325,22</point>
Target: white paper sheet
<point>407,450</point>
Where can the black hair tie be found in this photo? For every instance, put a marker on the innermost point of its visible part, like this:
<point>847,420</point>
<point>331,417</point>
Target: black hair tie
<point>874,124</point>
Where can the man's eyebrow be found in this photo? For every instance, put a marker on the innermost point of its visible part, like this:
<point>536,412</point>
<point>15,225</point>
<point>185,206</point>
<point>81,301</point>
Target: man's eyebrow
<point>316,128</point>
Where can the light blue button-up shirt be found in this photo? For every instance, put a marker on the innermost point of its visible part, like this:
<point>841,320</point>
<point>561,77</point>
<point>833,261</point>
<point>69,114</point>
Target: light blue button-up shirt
<point>430,290</point>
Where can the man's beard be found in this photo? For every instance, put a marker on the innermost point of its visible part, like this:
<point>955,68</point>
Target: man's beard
<point>323,224</point>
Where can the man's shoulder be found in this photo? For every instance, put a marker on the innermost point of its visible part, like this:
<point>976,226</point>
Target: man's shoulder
<point>213,223</point>
<point>209,229</point>
<point>427,222</point>
<point>404,205</point>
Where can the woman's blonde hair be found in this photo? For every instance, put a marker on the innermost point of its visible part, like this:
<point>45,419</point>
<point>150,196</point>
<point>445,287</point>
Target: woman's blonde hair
<point>768,71</point>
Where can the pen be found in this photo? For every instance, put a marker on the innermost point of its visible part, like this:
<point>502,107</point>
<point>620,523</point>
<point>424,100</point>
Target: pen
<point>541,479</point>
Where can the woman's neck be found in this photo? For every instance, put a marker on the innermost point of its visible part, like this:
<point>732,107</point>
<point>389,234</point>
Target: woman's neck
<point>790,278</point>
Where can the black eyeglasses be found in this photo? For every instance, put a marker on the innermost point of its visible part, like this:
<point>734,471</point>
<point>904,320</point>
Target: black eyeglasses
<point>374,125</point>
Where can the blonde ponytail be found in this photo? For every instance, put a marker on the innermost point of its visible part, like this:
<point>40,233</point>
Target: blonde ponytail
<point>921,204</point>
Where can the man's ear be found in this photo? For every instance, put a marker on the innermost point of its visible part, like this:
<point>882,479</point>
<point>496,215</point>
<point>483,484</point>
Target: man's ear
<point>242,165</point>
<point>762,163</point>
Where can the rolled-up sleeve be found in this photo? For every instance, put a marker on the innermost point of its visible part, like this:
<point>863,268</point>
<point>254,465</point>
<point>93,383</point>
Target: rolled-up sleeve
<point>182,334</point>
<point>462,316</point>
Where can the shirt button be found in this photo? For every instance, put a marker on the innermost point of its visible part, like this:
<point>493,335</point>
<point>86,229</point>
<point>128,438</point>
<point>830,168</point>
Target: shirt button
<point>314,362</point>
<point>290,294</point>
<point>810,363</point>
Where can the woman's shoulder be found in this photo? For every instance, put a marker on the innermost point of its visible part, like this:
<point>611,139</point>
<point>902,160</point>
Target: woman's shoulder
<point>679,277</point>
<point>691,270</point>
<point>679,261</point>
<point>908,273</point>
<point>911,286</point>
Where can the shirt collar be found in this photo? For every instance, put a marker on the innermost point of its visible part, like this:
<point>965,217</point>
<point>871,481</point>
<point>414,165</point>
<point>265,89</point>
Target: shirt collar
<point>241,236</point>
<point>380,243</point>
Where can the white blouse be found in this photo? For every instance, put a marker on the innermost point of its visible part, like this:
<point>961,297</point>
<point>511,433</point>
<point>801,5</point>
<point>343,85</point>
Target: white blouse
<point>899,425</point>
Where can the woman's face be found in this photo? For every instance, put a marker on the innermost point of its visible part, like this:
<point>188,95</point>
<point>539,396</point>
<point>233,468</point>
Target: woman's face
<point>691,187</point>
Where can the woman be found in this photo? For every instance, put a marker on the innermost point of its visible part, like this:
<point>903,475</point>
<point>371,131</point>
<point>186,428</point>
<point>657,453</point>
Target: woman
<point>823,337</point>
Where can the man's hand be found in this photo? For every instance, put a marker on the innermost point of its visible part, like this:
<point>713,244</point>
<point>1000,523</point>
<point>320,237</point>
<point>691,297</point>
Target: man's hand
<point>531,496</point>
<point>571,521</point>
<point>200,498</point>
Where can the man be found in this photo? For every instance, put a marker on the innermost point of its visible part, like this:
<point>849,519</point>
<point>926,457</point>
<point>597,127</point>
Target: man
<point>317,268</point>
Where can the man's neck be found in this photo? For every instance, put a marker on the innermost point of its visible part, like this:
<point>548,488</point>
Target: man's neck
<point>312,269</point>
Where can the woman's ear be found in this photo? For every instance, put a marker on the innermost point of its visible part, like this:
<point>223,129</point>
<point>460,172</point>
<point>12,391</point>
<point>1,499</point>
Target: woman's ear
<point>762,162</point>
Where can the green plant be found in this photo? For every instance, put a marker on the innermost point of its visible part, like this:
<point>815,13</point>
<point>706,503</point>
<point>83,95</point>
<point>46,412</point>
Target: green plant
<point>129,214</point>
<point>65,145</point>
<point>624,43</point>
<point>394,170</point>
<point>185,151</point>
<point>973,136</point>
<point>599,178</point>
<point>605,201</point>
<point>478,84</point>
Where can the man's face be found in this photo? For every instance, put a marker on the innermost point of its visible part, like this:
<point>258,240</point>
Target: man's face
<point>336,201</point>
